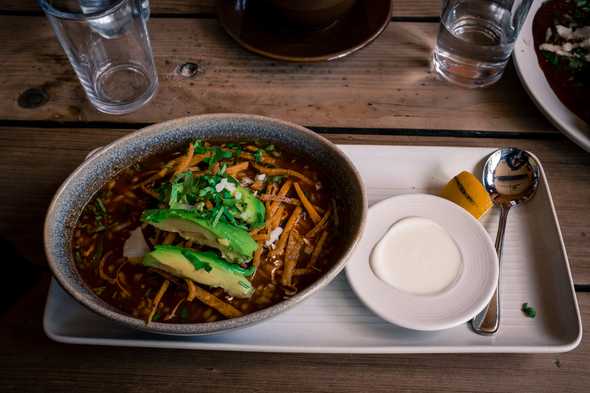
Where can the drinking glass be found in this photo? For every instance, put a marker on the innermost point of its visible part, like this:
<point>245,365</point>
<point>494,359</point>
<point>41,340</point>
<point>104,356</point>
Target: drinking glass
<point>476,38</point>
<point>108,46</point>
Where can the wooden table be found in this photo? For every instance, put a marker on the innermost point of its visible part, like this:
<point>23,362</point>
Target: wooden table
<point>384,94</point>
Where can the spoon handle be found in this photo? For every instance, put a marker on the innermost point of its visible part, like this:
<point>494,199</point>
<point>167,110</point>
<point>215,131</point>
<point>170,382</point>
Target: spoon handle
<point>488,320</point>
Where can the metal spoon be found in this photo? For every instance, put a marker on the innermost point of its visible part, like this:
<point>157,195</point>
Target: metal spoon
<point>511,177</point>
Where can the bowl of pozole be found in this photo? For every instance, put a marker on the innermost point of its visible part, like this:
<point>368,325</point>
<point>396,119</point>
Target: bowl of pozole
<point>205,224</point>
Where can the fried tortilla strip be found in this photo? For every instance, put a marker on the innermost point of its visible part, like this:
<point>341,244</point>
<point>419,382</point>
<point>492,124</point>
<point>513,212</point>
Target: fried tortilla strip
<point>196,292</point>
<point>237,168</point>
<point>258,253</point>
<point>174,310</point>
<point>184,163</point>
<point>319,226</point>
<point>280,247</point>
<point>283,172</point>
<point>197,158</point>
<point>263,158</point>
<point>101,272</point>
<point>283,191</point>
<point>276,198</point>
<point>291,256</point>
<point>315,217</point>
<point>157,300</point>
<point>317,250</point>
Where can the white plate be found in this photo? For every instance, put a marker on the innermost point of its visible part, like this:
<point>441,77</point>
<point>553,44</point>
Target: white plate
<point>534,270</point>
<point>536,85</point>
<point>461,301</point>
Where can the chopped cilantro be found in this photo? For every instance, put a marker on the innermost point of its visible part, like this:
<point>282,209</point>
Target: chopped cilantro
<point>528,311</point>
<point>100,206</point>
<point>198,147</point>
<point>576,64</point>
<point>156,317</point>
<point>218,215</point>
<point>270,147</point>
<point>258,155</point>
<point>551,57</point>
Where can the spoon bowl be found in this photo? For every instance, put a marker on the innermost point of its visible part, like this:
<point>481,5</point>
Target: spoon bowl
<point>511,177</point>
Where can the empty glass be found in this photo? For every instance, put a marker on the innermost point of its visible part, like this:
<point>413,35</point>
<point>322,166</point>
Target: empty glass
<point>476,38</point>
<point>108,46</point>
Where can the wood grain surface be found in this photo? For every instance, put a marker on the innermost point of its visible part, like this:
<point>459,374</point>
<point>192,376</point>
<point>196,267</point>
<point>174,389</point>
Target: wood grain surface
<point>40,159</point>
<point>384,94</point>
<point>389,84</point>
<point>32,363</point>
<point>401,8</point>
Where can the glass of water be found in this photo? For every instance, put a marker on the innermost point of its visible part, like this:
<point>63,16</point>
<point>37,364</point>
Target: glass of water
<point>108,46</point>
<point>476,38</point>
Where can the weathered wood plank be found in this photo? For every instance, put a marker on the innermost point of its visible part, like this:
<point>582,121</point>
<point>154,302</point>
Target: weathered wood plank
<point>388,84</point>
<point>29,362</point>
<point>36,161</point>
<point>404,8</point>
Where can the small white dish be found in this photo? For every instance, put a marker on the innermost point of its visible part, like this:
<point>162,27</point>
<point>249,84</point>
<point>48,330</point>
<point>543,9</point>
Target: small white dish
<point>454,305</point>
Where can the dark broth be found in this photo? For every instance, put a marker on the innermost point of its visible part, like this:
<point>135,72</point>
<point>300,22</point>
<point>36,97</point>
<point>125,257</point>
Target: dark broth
<point>572,88</point>
<point>108,219</point>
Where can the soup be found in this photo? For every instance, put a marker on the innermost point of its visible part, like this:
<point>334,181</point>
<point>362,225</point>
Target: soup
<point>561,31</point>
<point>213,232</point>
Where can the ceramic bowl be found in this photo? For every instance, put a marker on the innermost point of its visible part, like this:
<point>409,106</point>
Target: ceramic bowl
<point>466,296</point>
<point>335,169</point>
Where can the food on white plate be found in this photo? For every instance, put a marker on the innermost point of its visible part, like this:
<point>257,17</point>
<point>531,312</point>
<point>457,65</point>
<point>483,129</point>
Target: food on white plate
<point>561,32</point>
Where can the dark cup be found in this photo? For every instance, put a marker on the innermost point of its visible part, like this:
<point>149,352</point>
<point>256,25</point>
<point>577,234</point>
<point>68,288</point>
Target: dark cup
<point>310,14</point>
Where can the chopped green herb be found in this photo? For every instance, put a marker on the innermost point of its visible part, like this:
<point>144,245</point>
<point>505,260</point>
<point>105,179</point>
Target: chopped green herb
<point>156,316</point>
<point>576,64</point>
<point>277,179</point>
<point>528,311</point>
<point>198,147</point>
<point>218,215</point>
<point>551,57</point>
<point>270,148</point>
<point>258,155</point>
<point>101,206</point>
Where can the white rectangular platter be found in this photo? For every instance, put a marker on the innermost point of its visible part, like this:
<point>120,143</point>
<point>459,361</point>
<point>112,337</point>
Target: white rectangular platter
<point>535,270</point>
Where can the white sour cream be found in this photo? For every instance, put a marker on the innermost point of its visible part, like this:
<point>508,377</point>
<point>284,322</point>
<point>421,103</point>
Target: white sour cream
<point>417,256</point>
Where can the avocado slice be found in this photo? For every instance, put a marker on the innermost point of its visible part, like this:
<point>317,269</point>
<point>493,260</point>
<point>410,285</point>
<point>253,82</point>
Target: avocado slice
<point>203,267</point>
<point>235,244</point>
<point>252,209</point>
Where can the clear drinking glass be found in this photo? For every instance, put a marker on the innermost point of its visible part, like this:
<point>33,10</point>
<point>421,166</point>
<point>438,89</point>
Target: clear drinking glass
<point>108,46</point>
<point>476,38</point>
